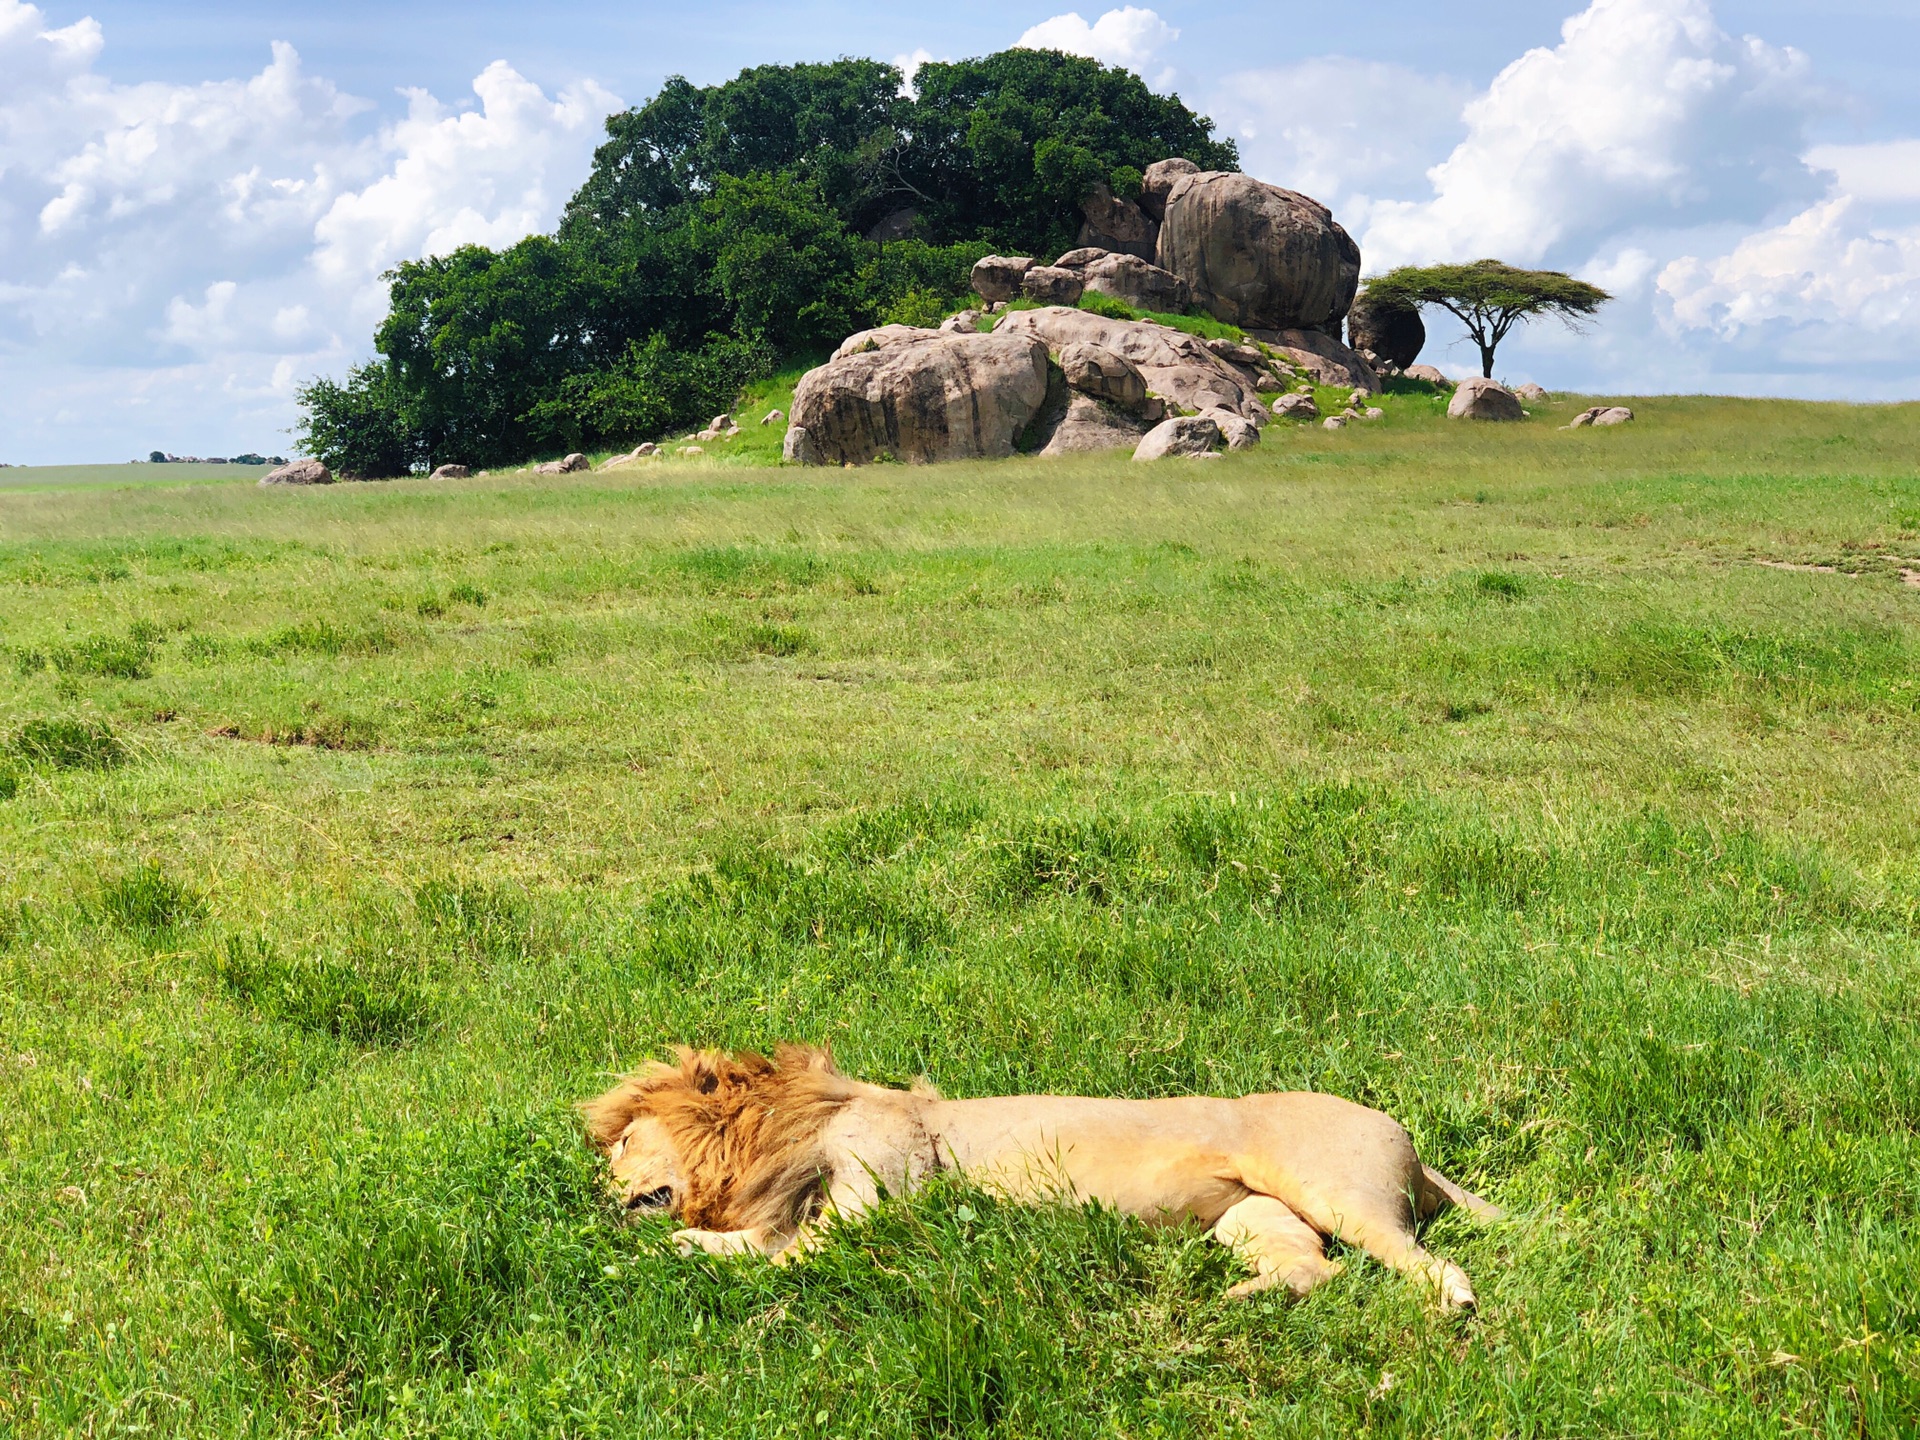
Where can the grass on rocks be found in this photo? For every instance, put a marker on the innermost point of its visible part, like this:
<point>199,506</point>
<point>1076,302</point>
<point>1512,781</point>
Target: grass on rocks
<point>1502,778</point>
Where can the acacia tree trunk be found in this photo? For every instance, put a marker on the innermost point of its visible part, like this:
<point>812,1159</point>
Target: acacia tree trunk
<point>1486,361</point>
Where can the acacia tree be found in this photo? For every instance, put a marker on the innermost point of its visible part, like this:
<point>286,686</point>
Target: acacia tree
<point>1490,297</point>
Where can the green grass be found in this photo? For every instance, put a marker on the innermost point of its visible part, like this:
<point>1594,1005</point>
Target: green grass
<point>1481,774</point>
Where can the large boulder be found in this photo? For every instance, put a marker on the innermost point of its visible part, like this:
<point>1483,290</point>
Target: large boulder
<point>1478,399</point>
<point>1258,256</point>
<point>1118,225</point>
<point>1129,279</point>
<point>1395,333</point>
<point>1177,367</point>
<point>919,399</point>
<point>1296,407</point>
<point>996,278</point>
<point>300,472</point>
<point>1432,374</point>
<point>1184,436</point>
<point>1160,179</point>
<point>1321,356</point>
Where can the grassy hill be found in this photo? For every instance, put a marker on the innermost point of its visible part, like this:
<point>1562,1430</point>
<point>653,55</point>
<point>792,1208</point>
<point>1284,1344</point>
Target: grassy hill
<point>1552,790</point>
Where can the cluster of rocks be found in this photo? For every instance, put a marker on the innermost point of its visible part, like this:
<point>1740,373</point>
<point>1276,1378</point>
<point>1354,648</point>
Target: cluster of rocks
<point>1052,380</point>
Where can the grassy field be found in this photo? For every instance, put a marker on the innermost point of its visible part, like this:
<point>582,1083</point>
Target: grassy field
<point>1500,778</point>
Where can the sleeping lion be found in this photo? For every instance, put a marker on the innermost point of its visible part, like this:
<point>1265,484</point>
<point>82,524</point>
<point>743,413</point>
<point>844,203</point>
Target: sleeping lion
<point>756,1155</point>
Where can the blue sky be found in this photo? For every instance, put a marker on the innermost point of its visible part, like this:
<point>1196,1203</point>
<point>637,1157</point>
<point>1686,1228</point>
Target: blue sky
<point>196,201</point>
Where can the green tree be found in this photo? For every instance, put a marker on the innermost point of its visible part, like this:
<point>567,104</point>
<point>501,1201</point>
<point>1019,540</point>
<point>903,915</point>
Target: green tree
<point>781,261</point>
<point>362,427</point>
<point>1490,297</point>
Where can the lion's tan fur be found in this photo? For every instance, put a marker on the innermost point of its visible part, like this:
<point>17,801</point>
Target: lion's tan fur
<point>751,1152</point>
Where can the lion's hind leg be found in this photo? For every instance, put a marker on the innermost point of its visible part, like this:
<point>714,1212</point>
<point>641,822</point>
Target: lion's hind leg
<point>1281,1248</point>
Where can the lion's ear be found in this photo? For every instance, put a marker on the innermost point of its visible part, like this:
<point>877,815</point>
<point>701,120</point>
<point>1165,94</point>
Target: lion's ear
<point>608,1115</point>
<point>806,1057</point>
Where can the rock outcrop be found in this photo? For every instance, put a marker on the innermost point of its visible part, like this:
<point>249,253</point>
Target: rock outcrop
<point>299,472</point>
<point>1117,225</point>
<point>1103,374</point>
<point>1429,373</point>
<point>1129,279</point>
<point>1177,367</point>
<point>1321,356</point>
<point>1258,256</point>
<point>996,278</point>
<point>1484,400</point>
<point>920,396</point>
<point>1394,333</point>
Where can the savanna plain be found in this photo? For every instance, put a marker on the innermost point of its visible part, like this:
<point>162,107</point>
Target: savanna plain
<point>1509,779</point>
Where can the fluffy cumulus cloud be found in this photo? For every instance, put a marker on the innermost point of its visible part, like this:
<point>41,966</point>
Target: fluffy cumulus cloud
<point>1340,129</point>
<point>1647,114</point>
<point>1130,36</point>
<point>179,257</point>
<point>1650,151</point>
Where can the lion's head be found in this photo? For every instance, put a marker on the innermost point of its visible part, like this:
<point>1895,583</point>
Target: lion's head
<point>722,1142</point>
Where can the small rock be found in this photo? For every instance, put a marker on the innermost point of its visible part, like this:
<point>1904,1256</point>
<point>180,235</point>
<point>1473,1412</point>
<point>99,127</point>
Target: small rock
<point>1297,406</point>
<point>1240,434</point>
<point>997,278</point>
<point>1159,182</point>
<point>1184,436</point>
<point>1531,391</point>
<point>1479,399</point>
<point>1334,422</point>
<point>1373,412</point>
<point>720,422</point>
<point>773,417</point>
<point>1360,397</point>
<point>300,472</point>
<point>707,437</point>
<point>799,448</point>
<point>691,450</point>
<point>1429,373</point>
<point>1052,285</point>
<point>450,472</point>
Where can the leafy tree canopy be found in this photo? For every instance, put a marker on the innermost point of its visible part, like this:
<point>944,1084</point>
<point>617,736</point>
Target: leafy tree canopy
<point>1489,297</point>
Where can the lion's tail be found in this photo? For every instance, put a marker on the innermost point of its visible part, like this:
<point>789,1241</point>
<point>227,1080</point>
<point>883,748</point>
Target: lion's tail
<point>1440,1192</point>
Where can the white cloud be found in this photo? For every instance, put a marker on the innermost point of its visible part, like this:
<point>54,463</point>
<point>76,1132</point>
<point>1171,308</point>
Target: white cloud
<point>1646,113</point>
<point>485,177</point>
<point>1340,129</point>
<point>174,259</point>
<point>1828,265</point>
<point>1887,171</point>
<point>1131,37</point>
<point>909,68</point>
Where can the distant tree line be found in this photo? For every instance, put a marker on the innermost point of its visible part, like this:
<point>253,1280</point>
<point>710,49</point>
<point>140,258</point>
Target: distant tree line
<point>723,230</point>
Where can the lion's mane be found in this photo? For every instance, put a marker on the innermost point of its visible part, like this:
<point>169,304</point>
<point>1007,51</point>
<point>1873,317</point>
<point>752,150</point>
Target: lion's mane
<point>746,1129</point>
